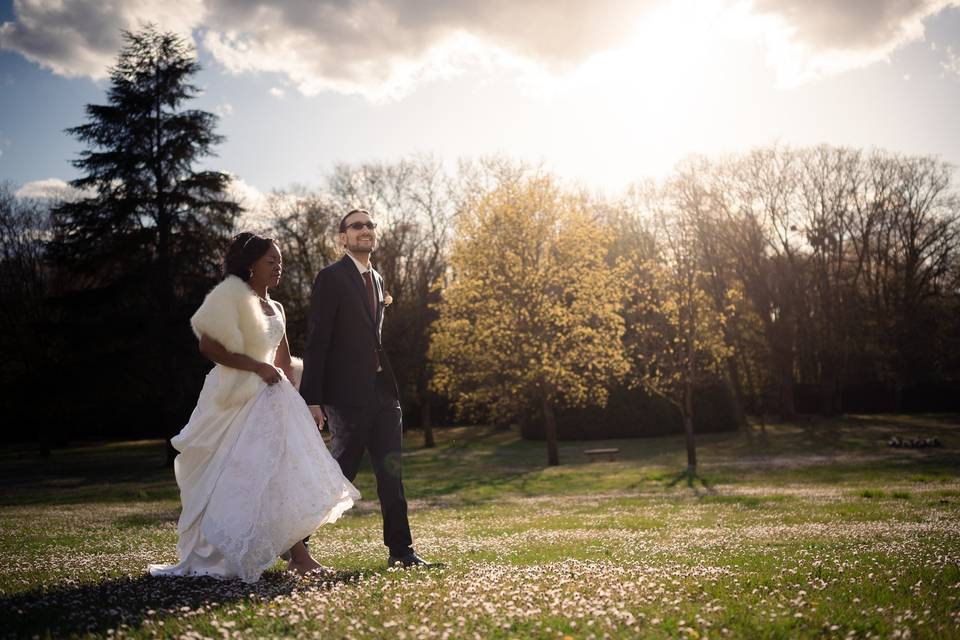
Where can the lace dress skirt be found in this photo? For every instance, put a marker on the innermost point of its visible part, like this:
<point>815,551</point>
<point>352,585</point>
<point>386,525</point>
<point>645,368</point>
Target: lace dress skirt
<point>253,481</point>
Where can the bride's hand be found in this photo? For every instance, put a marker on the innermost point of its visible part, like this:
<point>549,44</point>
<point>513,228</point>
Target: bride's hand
<point>269,373</point>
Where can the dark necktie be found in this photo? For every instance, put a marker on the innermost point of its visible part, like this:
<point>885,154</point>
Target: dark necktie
<point>372,299</point>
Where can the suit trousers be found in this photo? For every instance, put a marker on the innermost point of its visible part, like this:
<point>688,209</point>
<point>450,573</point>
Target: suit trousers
<point>375,427</point>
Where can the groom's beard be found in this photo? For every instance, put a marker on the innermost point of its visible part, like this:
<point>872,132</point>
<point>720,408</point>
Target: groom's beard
<point>361,248</point>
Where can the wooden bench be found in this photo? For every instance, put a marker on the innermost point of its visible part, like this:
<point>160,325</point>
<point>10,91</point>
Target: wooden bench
<point>611,453</point>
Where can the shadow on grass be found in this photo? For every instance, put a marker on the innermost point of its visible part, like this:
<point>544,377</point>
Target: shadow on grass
<point>863,432</point>
<point>94,472</point>
<point>152,519</point>
<point>92,609</point>
<point>692,479</point>
<point>478,464</point>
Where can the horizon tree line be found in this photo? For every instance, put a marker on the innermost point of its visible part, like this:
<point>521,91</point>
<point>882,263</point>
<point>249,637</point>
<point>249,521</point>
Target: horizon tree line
<point>773,272</point>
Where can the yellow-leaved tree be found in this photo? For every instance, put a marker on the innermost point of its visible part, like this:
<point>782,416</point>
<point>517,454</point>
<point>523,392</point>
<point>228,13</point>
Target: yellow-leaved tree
<point>675,337</point>
<point>530,318</point>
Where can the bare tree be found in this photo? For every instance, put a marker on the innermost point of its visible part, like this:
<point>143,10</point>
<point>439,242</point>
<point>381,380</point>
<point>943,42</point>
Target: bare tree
<point>413,199</point>
<point>844,257</point>
<point>697,192</point>
<point>24,287</point>
<point>304,223</point>
<point>762,210</point>
<point>675,338</point>
<point>831,179</point>
<point>910,233</point>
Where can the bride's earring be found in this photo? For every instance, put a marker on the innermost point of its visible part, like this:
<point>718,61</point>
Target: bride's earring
<point>249,274</point>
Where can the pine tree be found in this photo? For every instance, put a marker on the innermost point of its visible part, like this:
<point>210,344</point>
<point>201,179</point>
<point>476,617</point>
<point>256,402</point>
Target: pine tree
<point>146,240</point>
<point>147,201</point>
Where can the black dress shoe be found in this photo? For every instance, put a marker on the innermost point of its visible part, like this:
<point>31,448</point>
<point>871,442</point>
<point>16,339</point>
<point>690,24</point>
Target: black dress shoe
<point>407,561</point>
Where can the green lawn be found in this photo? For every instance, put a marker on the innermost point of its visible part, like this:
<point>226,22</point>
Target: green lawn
<point>816,529</point>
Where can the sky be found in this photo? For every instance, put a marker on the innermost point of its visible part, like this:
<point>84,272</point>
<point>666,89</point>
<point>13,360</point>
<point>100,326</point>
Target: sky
<point>602,92</point>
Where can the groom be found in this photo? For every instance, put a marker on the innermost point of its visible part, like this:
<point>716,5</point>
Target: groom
<point>347,380</point>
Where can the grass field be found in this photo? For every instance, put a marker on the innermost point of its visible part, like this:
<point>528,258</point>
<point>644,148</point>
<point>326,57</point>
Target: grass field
<point>815,529</point>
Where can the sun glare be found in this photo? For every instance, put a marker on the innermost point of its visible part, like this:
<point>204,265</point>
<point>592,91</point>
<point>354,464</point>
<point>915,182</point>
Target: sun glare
<point>651,99</point>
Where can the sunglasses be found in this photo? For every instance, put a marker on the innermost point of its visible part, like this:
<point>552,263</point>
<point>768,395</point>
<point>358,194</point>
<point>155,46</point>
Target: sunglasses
<point>356,226</point>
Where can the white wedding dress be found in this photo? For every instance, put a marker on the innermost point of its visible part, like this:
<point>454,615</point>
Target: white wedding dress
<point>253,480</point>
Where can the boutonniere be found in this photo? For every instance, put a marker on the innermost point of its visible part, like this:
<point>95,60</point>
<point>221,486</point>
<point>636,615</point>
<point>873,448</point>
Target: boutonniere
<point>387,300</point>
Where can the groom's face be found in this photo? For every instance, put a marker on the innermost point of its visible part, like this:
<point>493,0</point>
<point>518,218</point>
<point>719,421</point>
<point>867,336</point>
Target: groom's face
<point>359,237</point>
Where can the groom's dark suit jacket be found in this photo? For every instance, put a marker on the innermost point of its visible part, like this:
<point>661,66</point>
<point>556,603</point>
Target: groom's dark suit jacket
<point>343,340</point>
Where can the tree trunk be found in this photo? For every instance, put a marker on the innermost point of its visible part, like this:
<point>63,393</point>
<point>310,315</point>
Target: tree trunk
<point>426,421</point>
<point>756,395</point>
<point>550,427</point>
<point>898,396</point>
<point>784,372</point>
<point>831,399</point>
<point>43,448</point>
<point>163,328</point>
<point>163,291</point>
<point>688,427</point>
<point>736,384</point>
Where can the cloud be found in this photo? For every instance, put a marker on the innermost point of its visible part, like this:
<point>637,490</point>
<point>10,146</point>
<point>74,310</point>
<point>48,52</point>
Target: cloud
<point>223,110</point>
<point>82,37</point>
<point>276,92</point>
<point>50,189</point>
<point>381,48</point>
<point>368,46</point>
<point>951,62</point>
<point>811,38</point>
<point>372,47</point>
<point>258,205</point>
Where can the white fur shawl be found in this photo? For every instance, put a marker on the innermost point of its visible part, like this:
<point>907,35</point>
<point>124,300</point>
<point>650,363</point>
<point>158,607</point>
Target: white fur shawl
<point>231,315</point>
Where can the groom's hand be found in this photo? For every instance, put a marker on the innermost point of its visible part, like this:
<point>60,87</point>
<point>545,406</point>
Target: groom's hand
<point>318,415</point>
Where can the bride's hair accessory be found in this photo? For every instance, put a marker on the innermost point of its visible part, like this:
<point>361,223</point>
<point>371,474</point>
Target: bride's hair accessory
<point>245,249</point>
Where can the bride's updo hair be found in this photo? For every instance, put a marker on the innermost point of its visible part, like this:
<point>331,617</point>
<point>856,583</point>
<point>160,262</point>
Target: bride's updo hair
<point>245,249</point>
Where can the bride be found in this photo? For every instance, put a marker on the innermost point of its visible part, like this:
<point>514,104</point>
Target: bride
<point>255,477</point>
